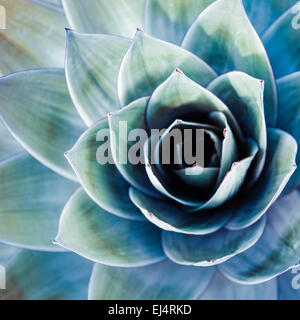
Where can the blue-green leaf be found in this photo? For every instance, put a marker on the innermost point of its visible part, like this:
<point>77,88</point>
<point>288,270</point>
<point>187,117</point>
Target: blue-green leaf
<point>101,179</point>
<point>243,96</point>
<point>8,145</point>
<point>35,275</point>
<point>36,107</point>
<point>289,116</point>
<point>34,36</point>
<point>150,61</point>
<point>276,251</point>
<point>7,252</point>
<point>212,249</point>
<point>92,68</point>
<point>179,97</point>
<point>121,124</point>
<point>280,165</point>
<point>263,13</point>
<point>168,215</point>
<point>102,237</point>
<point>221,288</point>
<point>120,17</point>
<point>232,45</point>
<point>162,281</point>
<point>169,20</point>
<point>32,198</point>
<point>282,42</point>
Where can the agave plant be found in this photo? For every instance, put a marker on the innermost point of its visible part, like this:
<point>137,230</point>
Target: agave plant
<point>229,229</point>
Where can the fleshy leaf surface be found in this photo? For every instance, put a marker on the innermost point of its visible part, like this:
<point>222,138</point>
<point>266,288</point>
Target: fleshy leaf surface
<point>276,251</point>
<point>6,253</point>
<point>97,235</point>
<point>170,20</point>
<point>212,249</point>
<point>32,198</point>
<point>279,166</point>
<point>220,288</point>
<point>28,40</point>
<point>36,107</point>
<point>289,116</point>
<point>92,68</point>
<point>33,275</point>
<point>150,61</point>
<point>119,17</point>
<point>98,174</point>
<point>243,95</point>
<point>282,42</point>
<point>179,97</point>
<point>169,216</point>
<point>232,45</point>
<point>8,145</point>
<point>263,13</point>
<point>122,124</point>
<point>154,282</point>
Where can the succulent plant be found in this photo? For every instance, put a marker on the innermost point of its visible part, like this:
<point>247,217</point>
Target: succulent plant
<point>226,229</point>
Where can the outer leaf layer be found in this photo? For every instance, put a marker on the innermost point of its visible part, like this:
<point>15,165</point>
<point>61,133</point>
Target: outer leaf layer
<point>101,180</point>
<point>28,41</point>
<point>92,67</point>
<point>277,250</point>
<point>169,20</point>
<point>102,237</point>
<point>118,17</point>
<point>36,107</point>
<point>150,61</point>
<point>211,249</point>
<point>34,275</point>
<point>155,282</point>
<point>280,165</point>
<point>232,45</point>
<point>30,208</point>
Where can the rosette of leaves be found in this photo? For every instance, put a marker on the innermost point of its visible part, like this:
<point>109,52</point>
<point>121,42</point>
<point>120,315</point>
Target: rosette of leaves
<point>228,229</point>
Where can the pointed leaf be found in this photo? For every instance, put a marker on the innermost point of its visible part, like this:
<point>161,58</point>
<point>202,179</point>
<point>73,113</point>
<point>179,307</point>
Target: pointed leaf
<point>155,282</point>
<point>121,124</point>
<point>101,181</point>
<point>230,151</point>
<point>212,249</point>
<point>229,186</point>
<point>243,96</point>
<point>170,20</point>
<point>36,107</point>
<point>280,165</point>
<point>32,198</point>
<point>28,40</point>
<point>169,216</point>
<point>120,17</point>
<point>35,275</point>
<point>232,44</point>
<point>282,43</point>
<point>221,288</point>
<point>150,61</point>
<point>92,68</point>
<point>276,251</point>
<point>179,97</point>
<point>102,237</point>
<point>289,116</point>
